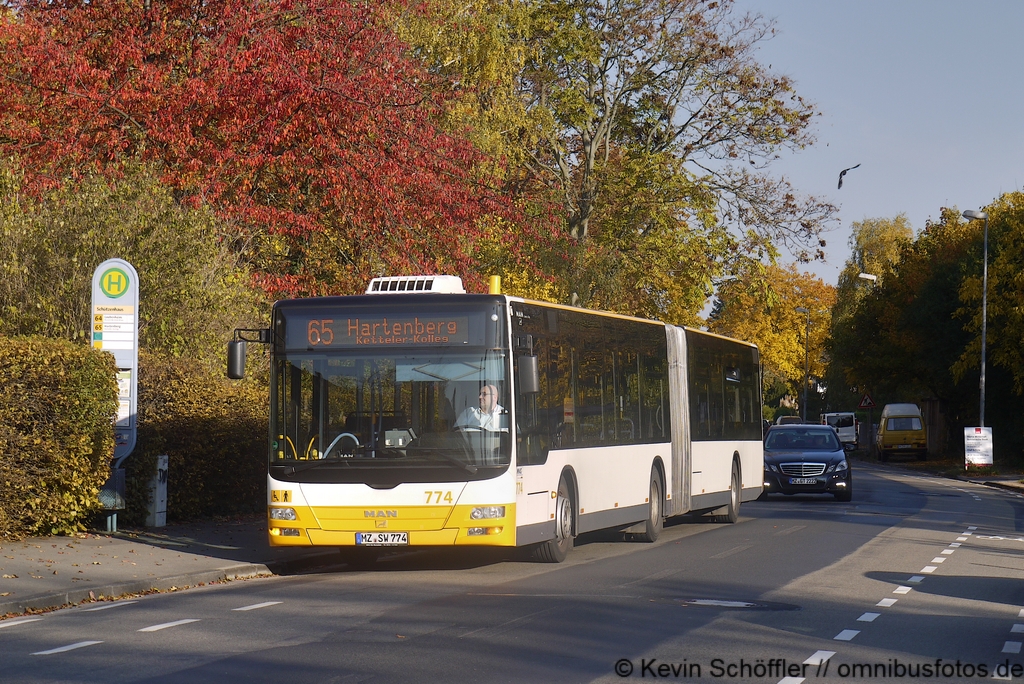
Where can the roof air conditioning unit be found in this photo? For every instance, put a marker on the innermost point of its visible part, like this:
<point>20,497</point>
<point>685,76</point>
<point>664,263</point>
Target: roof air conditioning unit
<point>438,284</point>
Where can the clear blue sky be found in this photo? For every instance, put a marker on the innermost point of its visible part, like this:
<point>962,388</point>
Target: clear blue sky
<point>928,96</point>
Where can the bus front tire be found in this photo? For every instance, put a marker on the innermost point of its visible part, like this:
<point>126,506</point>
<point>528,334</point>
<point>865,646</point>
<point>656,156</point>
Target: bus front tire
<point>556,550</point>
<point>654,523</point>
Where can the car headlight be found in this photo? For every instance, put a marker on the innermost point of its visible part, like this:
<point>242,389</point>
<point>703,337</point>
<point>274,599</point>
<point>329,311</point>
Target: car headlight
<point>842,465</point>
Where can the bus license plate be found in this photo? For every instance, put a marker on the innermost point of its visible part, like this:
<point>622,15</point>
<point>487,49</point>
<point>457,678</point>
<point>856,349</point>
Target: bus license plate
<point>382,538</point>
<point>802,480</point>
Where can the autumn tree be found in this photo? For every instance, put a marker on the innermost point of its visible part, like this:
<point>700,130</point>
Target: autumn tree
<point>193,288</point>
<point>769,318</point>
<point>305,126</point>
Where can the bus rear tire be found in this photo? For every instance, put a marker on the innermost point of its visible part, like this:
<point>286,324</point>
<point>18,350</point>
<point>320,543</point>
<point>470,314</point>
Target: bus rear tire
<point>732,511</point>
<point>556,550</point>
<point>654,523</point>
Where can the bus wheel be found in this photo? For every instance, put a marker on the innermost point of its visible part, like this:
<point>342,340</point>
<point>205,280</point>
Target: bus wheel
<point>654,523</point>
<point>556,550</point>
<point>732,512</point>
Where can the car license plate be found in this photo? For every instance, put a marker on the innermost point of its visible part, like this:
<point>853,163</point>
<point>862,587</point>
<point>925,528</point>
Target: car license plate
<point>382,538</point>
<point>903,446</point>
<point>802,480</point>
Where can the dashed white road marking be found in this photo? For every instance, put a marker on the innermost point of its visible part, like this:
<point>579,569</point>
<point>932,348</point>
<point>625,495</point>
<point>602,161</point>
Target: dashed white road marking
<point>971,528</point>
<point>19,621</point>
<point>901,590</point>
<point>818,657</point>
<point>109,605</point>
<point>938,559</point>
<point>846,635</point>
<point>948,552</point>
<point>1011,647</point>
<point>955,545</point>
<point>868,617</point>
<point>928,569</point>
<point>916,579</point>
<point>885,603</point>
<point>1017,629</point>
<point>157,628</point>
<point>791,680</point>
<point>69,647</point>
<point>961,539</point>
<point>258,605</point>
<point>1020,613</point>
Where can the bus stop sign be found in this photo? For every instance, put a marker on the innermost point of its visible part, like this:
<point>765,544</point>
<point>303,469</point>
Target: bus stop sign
<point>115,329</point>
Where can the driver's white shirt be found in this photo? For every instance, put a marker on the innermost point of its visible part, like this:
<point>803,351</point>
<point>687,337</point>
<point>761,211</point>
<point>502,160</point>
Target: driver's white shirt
<point>473,417</point>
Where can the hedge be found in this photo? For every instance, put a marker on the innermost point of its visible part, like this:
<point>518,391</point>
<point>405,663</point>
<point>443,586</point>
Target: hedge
<point>56,435</point>
<point>214,432</point>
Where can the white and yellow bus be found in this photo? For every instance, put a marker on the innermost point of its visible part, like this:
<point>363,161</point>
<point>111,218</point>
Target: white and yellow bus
<point>602,421</point>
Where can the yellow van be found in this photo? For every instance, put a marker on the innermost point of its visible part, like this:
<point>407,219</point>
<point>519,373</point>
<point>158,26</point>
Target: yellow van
<point>901,430</point>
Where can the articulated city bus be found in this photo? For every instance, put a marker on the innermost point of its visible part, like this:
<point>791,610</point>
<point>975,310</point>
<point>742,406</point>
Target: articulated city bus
<point>419,415</point>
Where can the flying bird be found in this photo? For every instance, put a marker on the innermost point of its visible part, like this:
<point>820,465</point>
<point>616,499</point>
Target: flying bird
<point>843,173</point>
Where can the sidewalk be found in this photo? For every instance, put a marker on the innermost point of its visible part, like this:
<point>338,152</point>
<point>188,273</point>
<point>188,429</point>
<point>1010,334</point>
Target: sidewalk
<point>49,572</point>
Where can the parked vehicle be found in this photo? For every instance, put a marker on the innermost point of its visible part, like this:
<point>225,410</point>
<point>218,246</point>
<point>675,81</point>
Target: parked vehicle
<point>901,430</point>
<point>806,459</point>
<point>846,426</point>
<point>788,420</point>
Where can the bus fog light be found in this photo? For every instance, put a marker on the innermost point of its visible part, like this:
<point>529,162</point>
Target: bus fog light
<point>476,531</point>
<point>283,514</point>
<point>484,512</point>
<point>289,532</point>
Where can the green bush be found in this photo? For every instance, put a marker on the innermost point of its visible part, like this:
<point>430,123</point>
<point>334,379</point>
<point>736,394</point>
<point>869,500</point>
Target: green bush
<point>56,434</point>
<point>214,433</point>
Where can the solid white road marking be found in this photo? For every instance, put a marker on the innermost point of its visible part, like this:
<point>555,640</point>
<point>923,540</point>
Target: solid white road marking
<point>1011,647</point>
<point>901,590</point>
<point>21,621</point>
<point>819,657</point>
<point>258,605</point>
<point>157,628</point>
<point>885,603</point>
<point>69,647</point>
<point>846,635</point>
<point>109,605</point>
<point>868,617</point>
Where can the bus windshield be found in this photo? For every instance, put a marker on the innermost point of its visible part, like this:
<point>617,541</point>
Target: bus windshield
<point>424,414</point>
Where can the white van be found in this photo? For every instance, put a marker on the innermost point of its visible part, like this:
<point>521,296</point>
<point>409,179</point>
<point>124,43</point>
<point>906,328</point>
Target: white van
<point>845,424</point>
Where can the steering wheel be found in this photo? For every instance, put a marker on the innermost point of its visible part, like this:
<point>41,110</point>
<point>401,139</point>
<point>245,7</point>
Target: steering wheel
<point>337,439</point>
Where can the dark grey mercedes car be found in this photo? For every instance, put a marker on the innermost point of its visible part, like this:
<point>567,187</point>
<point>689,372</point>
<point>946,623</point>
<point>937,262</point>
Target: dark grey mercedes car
<point>806,459</point>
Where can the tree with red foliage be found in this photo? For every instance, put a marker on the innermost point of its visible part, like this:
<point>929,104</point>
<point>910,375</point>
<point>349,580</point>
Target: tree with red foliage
<point>304,124</point>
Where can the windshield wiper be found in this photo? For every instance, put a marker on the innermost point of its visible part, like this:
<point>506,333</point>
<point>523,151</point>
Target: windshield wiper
<point>291,470</point>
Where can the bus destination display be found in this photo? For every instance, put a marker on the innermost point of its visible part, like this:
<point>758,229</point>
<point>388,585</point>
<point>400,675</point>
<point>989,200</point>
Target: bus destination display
<point>360,331</point>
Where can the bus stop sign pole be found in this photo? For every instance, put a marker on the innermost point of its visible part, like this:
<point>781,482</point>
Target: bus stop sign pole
<point>115,329</point>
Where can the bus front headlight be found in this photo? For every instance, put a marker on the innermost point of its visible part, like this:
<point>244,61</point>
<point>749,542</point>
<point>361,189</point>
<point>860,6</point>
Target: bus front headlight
<point>486,512</point>
<point>283,514</point>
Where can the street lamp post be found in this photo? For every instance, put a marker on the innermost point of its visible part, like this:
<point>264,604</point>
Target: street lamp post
<point>971,214</point>
<point>807,334</point>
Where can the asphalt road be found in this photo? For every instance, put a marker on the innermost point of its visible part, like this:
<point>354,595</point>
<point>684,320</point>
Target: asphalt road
<point>916,572</point>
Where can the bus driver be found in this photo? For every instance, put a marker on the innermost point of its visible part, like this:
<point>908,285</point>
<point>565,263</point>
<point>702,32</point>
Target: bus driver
<point>490,417</point>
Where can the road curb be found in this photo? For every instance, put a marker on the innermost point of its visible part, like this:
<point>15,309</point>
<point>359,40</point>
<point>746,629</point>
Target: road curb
<point>191,579</point>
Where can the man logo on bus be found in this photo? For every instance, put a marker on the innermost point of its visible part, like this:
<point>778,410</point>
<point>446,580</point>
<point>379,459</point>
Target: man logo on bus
<point>380,514</point>
<point>114,282</point>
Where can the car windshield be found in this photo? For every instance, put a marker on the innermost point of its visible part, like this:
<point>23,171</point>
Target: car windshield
<point>840,421</point>
<point>806,439</point>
